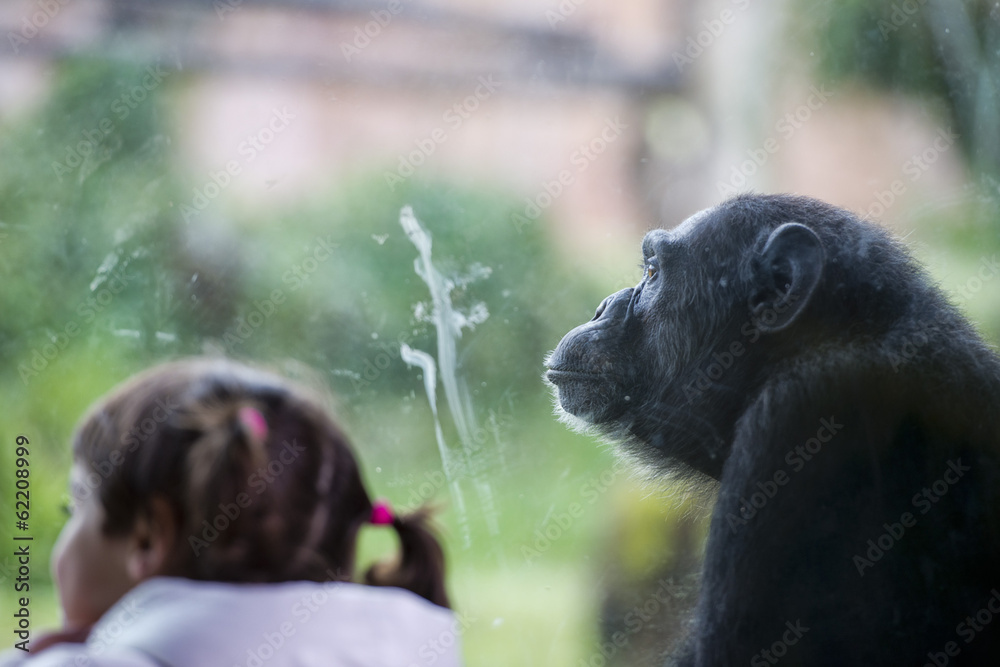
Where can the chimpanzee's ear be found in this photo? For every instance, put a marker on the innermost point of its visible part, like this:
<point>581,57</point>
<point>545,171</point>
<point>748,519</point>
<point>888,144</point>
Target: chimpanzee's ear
<point>788,270</point>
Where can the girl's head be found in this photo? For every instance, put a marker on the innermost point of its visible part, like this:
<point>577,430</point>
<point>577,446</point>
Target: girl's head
<point>208,469</point>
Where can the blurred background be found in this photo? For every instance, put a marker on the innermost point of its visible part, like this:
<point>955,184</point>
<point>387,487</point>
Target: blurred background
<point>226,177</point>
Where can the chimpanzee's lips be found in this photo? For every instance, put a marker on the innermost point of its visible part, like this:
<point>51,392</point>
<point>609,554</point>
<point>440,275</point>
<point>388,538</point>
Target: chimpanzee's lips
<point>557,375</point>
<point>585,395</point>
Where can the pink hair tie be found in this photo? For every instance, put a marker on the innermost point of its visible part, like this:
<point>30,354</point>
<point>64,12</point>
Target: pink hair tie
<point>382,514</point>
<point>254,422</point>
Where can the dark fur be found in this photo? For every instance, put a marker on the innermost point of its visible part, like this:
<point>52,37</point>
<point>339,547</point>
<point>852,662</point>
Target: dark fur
<point>874,349</point>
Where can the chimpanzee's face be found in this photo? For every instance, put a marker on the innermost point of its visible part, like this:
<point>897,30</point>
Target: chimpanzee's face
<point>665,364</point>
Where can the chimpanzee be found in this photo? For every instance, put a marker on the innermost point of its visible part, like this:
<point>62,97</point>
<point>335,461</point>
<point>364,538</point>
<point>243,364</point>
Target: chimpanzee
<point>849,413</point>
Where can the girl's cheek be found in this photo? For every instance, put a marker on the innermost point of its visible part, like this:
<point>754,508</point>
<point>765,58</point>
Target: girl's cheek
<point>58,555</point>
<point>62,562</point>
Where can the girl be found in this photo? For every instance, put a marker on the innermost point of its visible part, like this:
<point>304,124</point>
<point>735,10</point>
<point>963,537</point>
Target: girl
<point>215,518</point>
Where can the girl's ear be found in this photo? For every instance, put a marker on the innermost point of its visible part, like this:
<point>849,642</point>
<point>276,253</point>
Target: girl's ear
<point>152,542</point>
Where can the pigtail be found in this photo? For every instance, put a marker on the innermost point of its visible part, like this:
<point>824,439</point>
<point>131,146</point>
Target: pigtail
<point>230,442</point>
<point>233,442</point>
<point>420,567</point>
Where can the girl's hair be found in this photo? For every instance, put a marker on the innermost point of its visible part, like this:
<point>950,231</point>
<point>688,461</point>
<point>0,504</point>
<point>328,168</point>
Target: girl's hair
<point>278,499</point>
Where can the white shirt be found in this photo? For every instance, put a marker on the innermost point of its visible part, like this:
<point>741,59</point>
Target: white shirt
<point>174,622</point>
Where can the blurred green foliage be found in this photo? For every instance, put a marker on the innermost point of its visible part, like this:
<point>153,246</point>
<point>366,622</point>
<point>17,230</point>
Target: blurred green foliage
<point>362,301</point>
<point>83,193</point>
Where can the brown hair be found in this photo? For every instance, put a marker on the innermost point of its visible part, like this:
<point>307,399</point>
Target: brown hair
<point>251,505</point>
